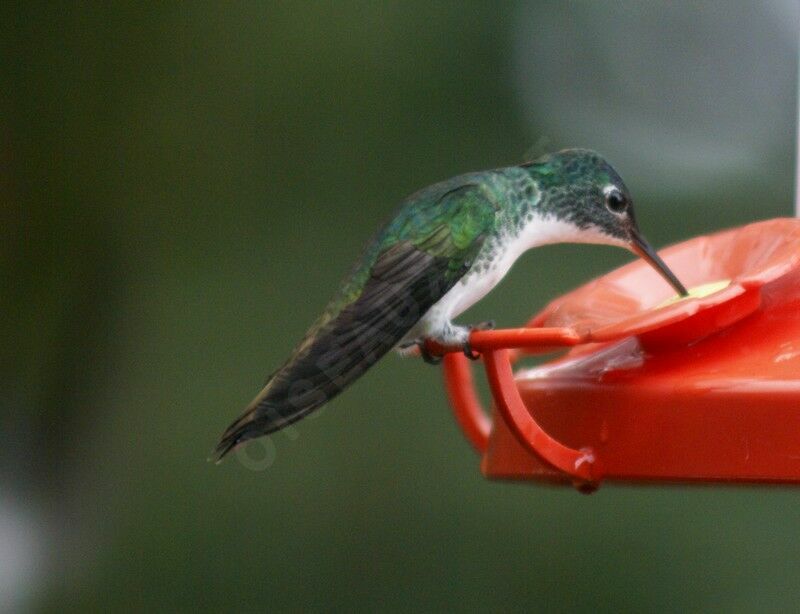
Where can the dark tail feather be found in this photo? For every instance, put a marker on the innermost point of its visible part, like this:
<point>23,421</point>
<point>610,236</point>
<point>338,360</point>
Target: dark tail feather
<point>404,282</point>
<point>226,444</point>
<point>259,419</point>
<point>304,384</point>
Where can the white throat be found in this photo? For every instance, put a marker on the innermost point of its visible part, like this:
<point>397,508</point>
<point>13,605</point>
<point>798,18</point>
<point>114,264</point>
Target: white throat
<point>546,229</point>
<point>498,256</point>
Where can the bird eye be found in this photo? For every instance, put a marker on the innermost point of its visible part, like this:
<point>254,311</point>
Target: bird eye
<point>616,202</point>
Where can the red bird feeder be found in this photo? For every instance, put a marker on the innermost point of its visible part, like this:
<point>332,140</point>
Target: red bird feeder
<point>652,389</point>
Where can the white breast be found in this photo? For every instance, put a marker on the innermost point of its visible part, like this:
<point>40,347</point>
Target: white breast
<point>475,285</point>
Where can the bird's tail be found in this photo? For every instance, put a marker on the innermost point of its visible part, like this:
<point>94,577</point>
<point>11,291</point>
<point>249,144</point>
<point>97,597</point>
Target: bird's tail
<point>256,421</point>
<point>310,379</point>
<point>403,284</point>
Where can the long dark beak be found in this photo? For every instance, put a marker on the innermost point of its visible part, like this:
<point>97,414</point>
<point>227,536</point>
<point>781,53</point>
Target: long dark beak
<point>642,248</point>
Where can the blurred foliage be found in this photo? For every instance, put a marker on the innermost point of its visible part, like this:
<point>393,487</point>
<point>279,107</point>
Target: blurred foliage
<point>187,185</point>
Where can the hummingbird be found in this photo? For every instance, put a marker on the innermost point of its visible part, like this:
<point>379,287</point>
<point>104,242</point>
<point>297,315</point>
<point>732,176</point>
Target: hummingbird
<point>445,248</point>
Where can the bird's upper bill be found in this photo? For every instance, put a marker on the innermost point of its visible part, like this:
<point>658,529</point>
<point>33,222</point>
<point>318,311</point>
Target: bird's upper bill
<point>644,250</point>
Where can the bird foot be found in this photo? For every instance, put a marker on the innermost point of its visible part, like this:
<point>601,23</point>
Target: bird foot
<point>417,346</point>
<point>426,355</point>
<point>468,352</point>
<point>467,348</point>
<point>456,334</point>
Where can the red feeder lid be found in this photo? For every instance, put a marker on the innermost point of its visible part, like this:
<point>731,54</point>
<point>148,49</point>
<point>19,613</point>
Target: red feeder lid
<point>704,388</point>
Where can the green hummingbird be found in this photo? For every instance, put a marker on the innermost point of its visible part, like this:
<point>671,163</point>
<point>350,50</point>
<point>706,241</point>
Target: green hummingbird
<point>445,248</point>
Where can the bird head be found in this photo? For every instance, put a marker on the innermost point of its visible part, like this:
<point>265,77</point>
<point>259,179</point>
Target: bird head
<point>580,189</point>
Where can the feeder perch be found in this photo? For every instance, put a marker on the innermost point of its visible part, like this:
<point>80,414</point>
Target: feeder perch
<point>651,388</point>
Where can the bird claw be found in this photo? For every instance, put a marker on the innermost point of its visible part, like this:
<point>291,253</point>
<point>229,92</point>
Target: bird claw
<point>468,352</point>
<point>426,355</point>
<point>467,348</point>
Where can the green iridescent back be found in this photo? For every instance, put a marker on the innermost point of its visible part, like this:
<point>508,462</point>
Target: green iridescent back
<point>461,207</point>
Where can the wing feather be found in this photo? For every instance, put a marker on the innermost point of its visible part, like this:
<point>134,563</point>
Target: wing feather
<point>406,279</point>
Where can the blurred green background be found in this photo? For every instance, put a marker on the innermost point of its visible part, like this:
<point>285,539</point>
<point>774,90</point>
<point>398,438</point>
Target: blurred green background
<point>182,188</point>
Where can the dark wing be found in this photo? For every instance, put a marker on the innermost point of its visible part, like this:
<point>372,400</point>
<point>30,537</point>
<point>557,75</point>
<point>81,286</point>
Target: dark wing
<point>406,279</point>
